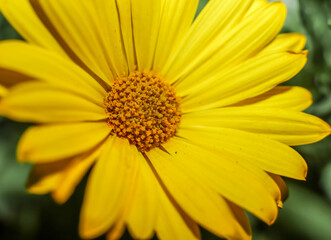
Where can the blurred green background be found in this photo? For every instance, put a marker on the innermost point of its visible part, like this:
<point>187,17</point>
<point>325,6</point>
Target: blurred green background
<point>306,214</point>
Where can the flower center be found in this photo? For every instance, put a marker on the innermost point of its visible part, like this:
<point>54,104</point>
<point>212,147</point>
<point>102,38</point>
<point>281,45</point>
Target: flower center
<point>144,109</point>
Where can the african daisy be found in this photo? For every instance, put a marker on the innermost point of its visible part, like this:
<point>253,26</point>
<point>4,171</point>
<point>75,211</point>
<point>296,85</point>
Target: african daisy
<point>181,120</point>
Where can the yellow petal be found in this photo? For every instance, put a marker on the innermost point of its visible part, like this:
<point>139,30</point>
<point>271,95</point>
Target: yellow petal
<point>73,174</point>
<point>290,127</point>
<point>109,32</point>
<point>45,177</point>
<point>60,177</point>
<point>282,187</point>
<point>146,20</point>
<point>176,19</point>
<point>53,142</point>
<point>40,102</point>
<point>10,78</point>
<point>241,218</point>
<point>118,228</point>
<point>194,196</point>
<point>291,98</point>
<point>19,58</point>
<point>162,214</point>
<point>75,28</point>
<point>22,17</point>
<point>252,172</point>
<point>262,152</point>
<point>225,176</point>
<point>107,187</point>
<point>293,42</point>
<point>172,222</point>
<point>125,17</point>
<point>116,231</point>
<point>256,5</point>
<point>215,19</point>
<point>142,216</point>
<point>230,48</point>
<point>3,91</point>
<point>247,80</point>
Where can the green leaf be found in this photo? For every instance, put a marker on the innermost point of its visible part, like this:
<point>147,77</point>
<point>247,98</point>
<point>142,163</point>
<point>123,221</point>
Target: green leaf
<point>7,31</point>
<point>326,180</point>
<point>12,174</point>
<point>315,18</point>
<point>202,4</point>
<point>306,214</point>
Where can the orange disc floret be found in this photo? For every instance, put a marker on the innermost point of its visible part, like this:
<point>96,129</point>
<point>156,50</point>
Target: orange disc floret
<point>144,109</point>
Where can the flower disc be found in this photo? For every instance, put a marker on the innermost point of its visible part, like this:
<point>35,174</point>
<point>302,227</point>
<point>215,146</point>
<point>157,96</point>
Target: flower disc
<point>144,109</point>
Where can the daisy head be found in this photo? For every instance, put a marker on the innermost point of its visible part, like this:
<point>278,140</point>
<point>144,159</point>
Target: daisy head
<point>181,119</point>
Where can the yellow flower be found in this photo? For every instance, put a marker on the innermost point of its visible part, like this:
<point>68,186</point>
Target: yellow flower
<point>183,122</point>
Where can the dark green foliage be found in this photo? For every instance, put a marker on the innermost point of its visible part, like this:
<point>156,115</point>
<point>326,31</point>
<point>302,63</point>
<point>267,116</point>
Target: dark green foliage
<point>6,31</point>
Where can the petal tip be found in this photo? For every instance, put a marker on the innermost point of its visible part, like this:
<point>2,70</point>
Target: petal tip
<point>273,217</point>
<point>303,39</point>
<point>280,204</point>
<point>2,107</point>
<point>281,8</point>
<point>59,199</point>
<point>88,232</point>
<point>22,155</point>
<point>305,173</point>
<point>35,189</point>
<point>309,96</point>
<point>305,53</point>
<point>84,231</point>
<point>327,130</point>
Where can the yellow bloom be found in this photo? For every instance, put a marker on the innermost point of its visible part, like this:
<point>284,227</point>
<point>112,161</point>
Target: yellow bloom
<point>183,122</point>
